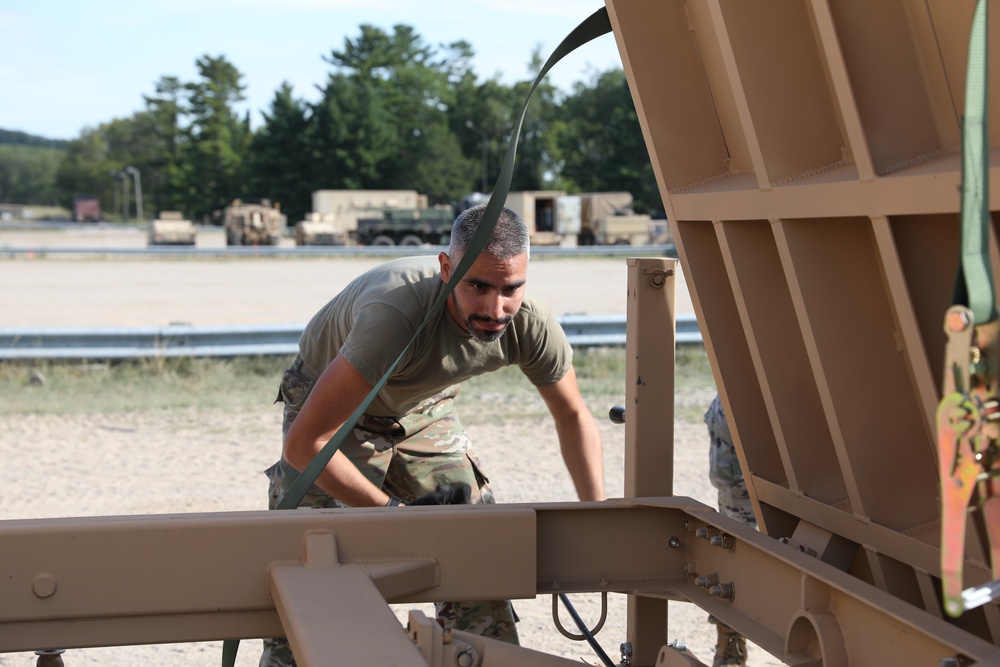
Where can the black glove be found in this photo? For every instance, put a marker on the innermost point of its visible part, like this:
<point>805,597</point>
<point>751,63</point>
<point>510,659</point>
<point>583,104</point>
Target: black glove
<point>446,494</point>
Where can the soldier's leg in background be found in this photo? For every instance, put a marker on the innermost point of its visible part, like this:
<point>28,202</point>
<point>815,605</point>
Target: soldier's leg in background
<point>734,501</point>
<point>441,453</point>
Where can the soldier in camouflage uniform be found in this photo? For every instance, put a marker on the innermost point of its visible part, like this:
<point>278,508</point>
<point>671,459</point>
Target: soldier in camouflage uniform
<point>410,440</point>
<point>734,501</point>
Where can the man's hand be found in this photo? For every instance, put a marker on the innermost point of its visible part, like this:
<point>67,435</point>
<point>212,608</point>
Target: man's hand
<point>446,494</point>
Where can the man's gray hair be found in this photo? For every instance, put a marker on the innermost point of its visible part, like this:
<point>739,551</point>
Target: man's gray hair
<point>509,238</point>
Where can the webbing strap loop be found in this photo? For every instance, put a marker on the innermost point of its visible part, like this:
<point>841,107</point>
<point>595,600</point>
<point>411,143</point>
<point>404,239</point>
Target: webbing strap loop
<point>974,285</point>
<point>594,26</point>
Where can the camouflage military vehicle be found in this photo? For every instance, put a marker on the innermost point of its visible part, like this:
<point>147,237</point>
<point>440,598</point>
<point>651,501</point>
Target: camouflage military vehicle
<point>253,222</point>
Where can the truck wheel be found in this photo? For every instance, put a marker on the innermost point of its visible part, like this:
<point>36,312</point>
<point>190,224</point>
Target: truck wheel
<point>382,239</point>
<point>411,239</point>
<point>233,239</point>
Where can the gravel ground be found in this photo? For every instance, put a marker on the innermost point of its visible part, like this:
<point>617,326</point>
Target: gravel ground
<point>52,459</point>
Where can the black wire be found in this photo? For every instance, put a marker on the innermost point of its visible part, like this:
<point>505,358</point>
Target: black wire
<point>586,632</point>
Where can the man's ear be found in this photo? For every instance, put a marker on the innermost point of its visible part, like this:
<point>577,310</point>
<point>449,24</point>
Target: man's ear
<point>446,267</point>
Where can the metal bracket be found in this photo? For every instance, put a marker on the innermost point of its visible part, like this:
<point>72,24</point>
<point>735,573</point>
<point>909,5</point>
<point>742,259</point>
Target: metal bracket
<point>657,277</point>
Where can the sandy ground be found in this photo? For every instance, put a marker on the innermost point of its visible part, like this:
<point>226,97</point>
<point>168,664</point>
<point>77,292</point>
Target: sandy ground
<point>168,462</point>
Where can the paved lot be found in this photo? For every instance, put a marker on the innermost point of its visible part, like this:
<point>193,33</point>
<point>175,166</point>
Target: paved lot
<point>57,290</point>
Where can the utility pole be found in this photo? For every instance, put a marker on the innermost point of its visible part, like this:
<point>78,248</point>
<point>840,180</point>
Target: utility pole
<point>469,124</point>
<point>124,196</point>
<point>138,191</point>
<point>114,190</point>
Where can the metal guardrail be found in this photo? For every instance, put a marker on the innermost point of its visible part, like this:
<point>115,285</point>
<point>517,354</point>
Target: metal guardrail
<point>182,340</point>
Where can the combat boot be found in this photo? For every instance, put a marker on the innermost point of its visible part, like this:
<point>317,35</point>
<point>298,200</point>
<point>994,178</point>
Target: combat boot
<point>731,648</point>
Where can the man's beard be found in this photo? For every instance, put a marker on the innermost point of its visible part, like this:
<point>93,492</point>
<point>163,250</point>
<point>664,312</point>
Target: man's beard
<point>483,336</point>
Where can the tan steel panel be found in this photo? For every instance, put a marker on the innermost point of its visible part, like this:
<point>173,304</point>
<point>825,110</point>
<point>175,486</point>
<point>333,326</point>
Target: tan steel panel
<point>785,87</point>
<point>888,75</point>
<point>674,65</point>
<point>803,451</point>
<point>826,337</point>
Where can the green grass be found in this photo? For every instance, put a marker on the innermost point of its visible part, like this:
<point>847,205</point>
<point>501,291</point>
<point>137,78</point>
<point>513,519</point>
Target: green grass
<point>80,388</point>
<point>251,383</point>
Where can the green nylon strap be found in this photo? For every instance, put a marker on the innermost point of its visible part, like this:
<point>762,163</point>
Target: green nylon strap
<point>594,26</point>
<point>974,286</point>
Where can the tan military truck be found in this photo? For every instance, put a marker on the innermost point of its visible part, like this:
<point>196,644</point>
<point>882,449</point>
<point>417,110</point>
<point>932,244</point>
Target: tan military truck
<point>320,229</point>
<point>594,218</point>
<point>551,216</point>
<point>253,222</point>
<point>607,218</point>
<point>171,228</point>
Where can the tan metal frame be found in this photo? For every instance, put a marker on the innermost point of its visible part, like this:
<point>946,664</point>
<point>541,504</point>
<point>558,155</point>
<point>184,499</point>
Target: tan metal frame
<point>808,156</point>
<point>323,577</point>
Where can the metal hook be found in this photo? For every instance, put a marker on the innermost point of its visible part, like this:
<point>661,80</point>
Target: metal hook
<point>570,635</point>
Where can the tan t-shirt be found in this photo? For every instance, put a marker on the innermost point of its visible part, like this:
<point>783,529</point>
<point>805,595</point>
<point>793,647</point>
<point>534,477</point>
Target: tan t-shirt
<point>373,318</point>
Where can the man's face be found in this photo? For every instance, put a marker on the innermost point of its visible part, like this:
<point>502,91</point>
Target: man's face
<point>488,296</point>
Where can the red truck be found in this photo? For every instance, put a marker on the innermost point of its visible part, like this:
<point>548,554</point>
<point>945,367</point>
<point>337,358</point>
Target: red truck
<point>86,208</point>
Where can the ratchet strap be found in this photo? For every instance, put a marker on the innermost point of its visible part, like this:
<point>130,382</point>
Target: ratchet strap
<point>968,416</point>
<point>974,285</point>
<point>594,26</point>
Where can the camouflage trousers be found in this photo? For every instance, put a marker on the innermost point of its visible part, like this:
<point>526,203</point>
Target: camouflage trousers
<point>406,457</point>
<point>734,501</point>
<point>724,467</point>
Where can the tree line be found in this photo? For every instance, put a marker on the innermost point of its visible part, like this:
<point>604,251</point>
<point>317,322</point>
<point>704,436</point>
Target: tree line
<point>393,113</point>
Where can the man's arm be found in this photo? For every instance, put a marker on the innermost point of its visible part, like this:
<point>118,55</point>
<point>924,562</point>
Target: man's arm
<point>335,396</point>
<point>579,439</point>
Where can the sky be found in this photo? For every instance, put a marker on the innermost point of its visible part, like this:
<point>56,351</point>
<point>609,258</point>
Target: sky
<point>66,65</point>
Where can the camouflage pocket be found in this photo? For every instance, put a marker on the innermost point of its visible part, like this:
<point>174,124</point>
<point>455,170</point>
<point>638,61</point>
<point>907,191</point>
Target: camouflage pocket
<point>723,464</point>
<point>294,389</point>
<point>438,408</point>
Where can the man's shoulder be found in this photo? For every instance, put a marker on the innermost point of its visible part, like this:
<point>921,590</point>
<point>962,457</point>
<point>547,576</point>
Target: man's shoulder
<point>534,308</point>
<point>421,265</point>
<point>399,272</point>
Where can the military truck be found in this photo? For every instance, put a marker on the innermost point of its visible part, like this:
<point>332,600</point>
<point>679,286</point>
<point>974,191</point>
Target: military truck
<point>407,226</point>
<point>171,228</point>
<point>607,218</point>
<point>551,216</point>
<point>320,229</point>
<point>595,218</point>
<point>335,214</point>
<point>253,222</point>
